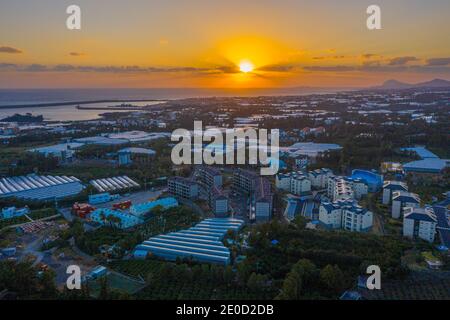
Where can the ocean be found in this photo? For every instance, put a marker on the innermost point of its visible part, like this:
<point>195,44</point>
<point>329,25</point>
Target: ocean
<point>20,97</point>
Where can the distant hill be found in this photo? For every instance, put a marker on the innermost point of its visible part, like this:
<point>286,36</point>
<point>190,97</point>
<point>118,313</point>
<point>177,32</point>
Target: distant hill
<point>396,85</point>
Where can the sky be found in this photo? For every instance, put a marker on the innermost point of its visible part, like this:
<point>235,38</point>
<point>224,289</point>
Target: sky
<point>206,43</point>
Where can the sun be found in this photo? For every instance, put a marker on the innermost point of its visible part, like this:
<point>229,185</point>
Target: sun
<point>246,66</point>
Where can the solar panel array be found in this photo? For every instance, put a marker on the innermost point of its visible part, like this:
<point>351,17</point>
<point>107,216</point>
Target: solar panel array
<point>201,242</point>
<point>114,183</point>
<point>39,187</point>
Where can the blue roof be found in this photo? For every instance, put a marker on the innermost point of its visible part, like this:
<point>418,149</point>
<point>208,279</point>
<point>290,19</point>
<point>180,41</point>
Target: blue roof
<point>201,242</point>
<point>421,152</point>
<point>431,165</point>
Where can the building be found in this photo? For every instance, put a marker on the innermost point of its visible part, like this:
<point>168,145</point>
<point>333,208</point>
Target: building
<point>260,191</point>
<point>294,182</point>
<point>427,166</point>
<point>359,186</point>
<point>429,163</point>
<point>244,180</point>
<point>141,209</point>
<point>373,180</point>
<point>339,188</point>
<point>208,175</point>
<point>183,187</point>
<point>12,212</point>
<point>202,243</point>
<point>218,202</point>
<point>319,177</point>
<point>263,200</point>
<point>301,161</point>
<point>64,152</point>
<point>117,218</point>
<point>141,156</point>
<point>389,187</point>
<point>114,184</point>
<point>40,188</point>
<point>345,214</point>
<point>101,198</point>
<point>419,223</point>
<point>402,199</point>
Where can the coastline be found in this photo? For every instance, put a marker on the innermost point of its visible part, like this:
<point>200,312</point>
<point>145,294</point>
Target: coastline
<point>59,104</point>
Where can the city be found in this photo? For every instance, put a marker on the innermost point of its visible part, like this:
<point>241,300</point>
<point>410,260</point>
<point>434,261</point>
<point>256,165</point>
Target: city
<point>224,159</point>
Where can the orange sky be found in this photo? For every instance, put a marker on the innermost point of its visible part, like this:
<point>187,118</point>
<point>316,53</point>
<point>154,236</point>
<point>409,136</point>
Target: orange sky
<point>201,43</point>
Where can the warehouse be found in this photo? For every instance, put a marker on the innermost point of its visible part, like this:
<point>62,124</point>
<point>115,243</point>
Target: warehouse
<point>114,184</point>
<point>34,187</point>
<point>201,243</point>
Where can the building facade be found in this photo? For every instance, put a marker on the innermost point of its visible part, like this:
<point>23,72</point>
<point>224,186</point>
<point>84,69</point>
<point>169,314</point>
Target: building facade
<point>419,223</point>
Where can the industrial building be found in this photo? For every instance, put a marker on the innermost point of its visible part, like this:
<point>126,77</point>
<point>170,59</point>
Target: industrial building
<point>429,163</point>
<point>183,187</point>
<point>143,208</point>
<point>419,223</point>
<point>131,217</point>
<point>114,184</point>
<point>117,218</point>
<point>64,152</point>
<point>12,212</point>
<point>201,243</point>
<point>141,156</point>
<point>34,187</point>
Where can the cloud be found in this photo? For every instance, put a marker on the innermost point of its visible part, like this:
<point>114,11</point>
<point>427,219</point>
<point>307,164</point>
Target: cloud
<point>277,68</point>
<point>11,50</point>
<point>400,61</point>
<point>330,68</point>
<point>438,62</point>
<point>369,55</point>
<point>77,54</point>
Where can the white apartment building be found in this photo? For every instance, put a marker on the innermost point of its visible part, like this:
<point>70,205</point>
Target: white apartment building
<point>339,188</point>
<point>402,199</point>
<point>419,223</point>
<point>390,187</point>
<point>295,182</point>
<point>345,214</point>
<point>319,177</point>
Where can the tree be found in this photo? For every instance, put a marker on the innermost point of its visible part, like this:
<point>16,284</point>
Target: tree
<point>296,283</point>
<point>332,278</point>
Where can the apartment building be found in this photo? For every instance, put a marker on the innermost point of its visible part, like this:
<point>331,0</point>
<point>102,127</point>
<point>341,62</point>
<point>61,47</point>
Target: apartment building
<point>319,177</point>
<point>339,188</point>
<point>389,187</point>
<point>402,199</point>
<point>293,182</point>
<point>345,214</point>
<point>208,175</point>
<point>183,187</point>
<point>419,223</point>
